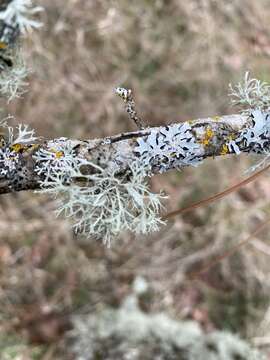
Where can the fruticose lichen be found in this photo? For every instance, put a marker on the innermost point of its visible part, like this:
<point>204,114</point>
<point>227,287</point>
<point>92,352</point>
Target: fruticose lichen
<point>8,161</point>
<point>14,20</point>
<point>57,160</point>
<point>22,135</point>
<point>17,14</point>
<point>11,147</point>
<point>104,189</point>
<point>13,78</point>
<point>251,94</point>
<point>130,333</point>
<point>102,203</point>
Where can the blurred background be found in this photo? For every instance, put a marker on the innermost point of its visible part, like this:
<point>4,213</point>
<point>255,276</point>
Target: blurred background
<point>178,57</point>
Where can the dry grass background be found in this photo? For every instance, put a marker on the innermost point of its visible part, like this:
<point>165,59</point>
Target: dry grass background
<point>178,57</point>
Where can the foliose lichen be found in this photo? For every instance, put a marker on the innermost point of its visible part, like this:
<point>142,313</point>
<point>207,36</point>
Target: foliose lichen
<point>169,146</point>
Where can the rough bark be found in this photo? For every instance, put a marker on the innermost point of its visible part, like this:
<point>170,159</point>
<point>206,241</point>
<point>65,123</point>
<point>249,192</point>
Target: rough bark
<point>211,137</point>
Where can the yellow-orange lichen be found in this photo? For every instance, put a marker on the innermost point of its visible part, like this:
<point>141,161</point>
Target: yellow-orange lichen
<point>59,154</point>
<point>3,45</point>
<point>224,149</point>
<point>231,137</point>
<point>208,135</point>
<point>17,147</point>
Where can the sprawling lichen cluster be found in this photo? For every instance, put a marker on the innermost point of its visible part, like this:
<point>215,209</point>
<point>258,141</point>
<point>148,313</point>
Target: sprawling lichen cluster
<point>179,145</point>
<point>105,199</point>
<point>17,15</point>
<point>250,94</point>
<point>101,202</point>
<point>130,333</point>
<point>14,145</point>
<point>14,20</point>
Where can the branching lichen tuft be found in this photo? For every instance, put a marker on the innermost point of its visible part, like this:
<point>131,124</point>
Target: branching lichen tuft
<point>13,79</point>
<point>101,203</point>
<point>23,135</point>
<point>14,20</point>
<point>251,94</point>
<point>18,12</point>
<point>58,159</point>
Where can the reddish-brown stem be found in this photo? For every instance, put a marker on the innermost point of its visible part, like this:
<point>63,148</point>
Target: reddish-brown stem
<point>230,252</point>
<point>216,196</point>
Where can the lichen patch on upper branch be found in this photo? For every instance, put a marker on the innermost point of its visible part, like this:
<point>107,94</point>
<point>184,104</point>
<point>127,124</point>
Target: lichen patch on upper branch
<point>15,19</point>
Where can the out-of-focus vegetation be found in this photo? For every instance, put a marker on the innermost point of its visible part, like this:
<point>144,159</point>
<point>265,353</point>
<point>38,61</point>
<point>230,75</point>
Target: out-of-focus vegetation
<point>178,57</point>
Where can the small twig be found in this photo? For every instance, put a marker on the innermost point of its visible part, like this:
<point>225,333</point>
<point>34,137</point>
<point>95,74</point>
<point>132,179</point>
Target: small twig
<point>217,196</point>
<point>231,251</point>
<point>126,95</point>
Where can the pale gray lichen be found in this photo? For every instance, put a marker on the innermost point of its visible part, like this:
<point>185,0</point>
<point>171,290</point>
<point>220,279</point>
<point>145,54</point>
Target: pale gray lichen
<point>251,94</point>
<point>111,204</point>
<point>14,20</point>
<point>8,161</point>
<point>170,145</point>
<point>58,158</point>
<point>101,202</point>
<point>13,78</point>
<point>18,13</point>
<point>129,333</point>
<point>255,137</point>
<point>9,152</point>
<point>253,98</point>
<point>22,135</point>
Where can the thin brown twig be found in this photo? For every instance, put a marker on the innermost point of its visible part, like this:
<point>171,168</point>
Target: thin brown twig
<point>216,196</point>
<point>127,96</point>
<point>230,252</point>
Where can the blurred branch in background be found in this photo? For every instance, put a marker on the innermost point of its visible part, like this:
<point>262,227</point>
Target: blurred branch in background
<point>217,196</point>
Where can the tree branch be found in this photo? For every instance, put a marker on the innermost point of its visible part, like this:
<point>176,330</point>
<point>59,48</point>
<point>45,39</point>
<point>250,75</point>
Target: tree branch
<point>102,181</point>
<point>157,149</point>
